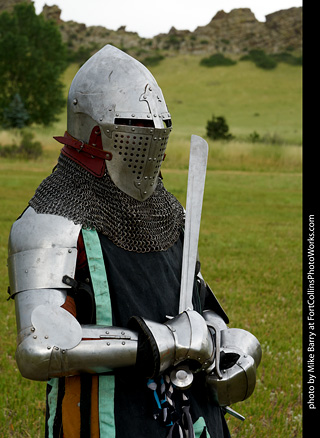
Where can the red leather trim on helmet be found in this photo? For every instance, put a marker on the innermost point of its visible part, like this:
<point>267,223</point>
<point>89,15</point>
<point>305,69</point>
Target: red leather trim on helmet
<point>90,156</point>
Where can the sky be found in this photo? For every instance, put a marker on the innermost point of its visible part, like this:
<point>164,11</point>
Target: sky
<point>149,18</point>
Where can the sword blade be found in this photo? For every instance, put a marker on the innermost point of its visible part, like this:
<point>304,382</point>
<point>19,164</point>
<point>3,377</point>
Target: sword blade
<point>196,182</point>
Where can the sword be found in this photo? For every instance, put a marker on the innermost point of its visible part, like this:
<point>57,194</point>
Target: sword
<point>181,376</point>
<point>195,189</point>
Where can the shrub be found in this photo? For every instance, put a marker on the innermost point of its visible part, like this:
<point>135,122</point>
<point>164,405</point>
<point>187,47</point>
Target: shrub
<point>268,139</point>
<point>261,59</point>
<point>27,148</point>
<point>151,61</point>
<point>254,137</point>
<point>287,58</point>
<point>217,59</point>
<point>217,129</point>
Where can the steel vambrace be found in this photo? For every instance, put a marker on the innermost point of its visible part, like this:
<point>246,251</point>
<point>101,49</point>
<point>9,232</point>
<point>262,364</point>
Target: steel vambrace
<point>52,343</point>
<point>56,345</point>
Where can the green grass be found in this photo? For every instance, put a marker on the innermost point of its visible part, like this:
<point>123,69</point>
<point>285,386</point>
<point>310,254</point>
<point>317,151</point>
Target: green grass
<point>250,243</point>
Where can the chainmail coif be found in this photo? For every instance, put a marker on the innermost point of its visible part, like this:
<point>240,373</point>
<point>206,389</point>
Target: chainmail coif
<point>72,192</point>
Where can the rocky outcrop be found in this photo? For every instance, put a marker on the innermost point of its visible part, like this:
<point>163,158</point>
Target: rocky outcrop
<point>234,33</point>
<point>237,32</point>
<point>8,5</point>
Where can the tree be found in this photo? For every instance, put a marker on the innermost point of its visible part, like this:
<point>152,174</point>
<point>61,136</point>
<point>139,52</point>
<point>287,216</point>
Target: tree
<point>32,59</point>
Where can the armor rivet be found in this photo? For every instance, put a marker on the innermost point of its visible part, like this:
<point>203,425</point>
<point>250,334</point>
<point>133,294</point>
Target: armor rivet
<point>63,351</point>
<point>94,144</point>
<point>108,130</point>
<point>150,89</point>
<point>117,115</point>
<point>87,280</point>
<point>116,127</point>
<point>107,332</point>
<point>239,362</point>
<point>123,343</point>
<point>108,343</point>
<point>132,129</point>
<point>33,329</point>
<point>26,271</point>
<point>35,337</point>
<point>101,118</point>
<point>145,177</point>
<point>148,115</point>
<point>154,138</point>
<point>123,333</point>
<point>132,115</point>
<point>56,348</point>
<point>155,115</point>
<point>46,337</point>
<point>139,184</point>
<point>144,193</point>
<point>48,347</point>
<point>75,101</point>
<point>69,250</point>
<point>224,371</point>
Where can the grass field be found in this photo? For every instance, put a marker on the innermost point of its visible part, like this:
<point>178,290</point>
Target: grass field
<point>250,244</point>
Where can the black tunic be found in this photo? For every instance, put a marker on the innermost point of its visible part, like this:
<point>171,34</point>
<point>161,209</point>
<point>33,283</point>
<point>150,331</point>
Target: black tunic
<point>148,285</point>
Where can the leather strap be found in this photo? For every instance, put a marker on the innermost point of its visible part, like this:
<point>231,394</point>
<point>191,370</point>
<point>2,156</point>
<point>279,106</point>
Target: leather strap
<point>90,156</point>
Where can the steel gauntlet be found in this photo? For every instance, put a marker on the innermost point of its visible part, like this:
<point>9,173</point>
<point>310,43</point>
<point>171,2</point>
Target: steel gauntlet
<point>232,376</point>
<point>185,337</point>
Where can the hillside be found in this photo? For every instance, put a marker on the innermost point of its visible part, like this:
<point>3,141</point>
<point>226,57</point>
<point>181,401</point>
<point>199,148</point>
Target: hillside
<point>234,33</point>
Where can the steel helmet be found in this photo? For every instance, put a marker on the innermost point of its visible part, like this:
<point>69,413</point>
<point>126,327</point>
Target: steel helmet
<point>118,94</point>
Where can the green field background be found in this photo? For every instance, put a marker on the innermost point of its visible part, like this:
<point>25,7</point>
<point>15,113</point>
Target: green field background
<point>250,245</point>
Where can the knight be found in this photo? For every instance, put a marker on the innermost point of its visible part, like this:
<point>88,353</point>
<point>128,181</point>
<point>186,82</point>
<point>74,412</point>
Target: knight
<point>95,270</point>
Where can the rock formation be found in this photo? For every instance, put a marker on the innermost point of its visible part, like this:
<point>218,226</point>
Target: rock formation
<point>234,34</point>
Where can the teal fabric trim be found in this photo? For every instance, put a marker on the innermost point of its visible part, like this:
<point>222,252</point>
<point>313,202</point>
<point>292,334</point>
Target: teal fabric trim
<point>52,404</point>
<point>103,317</point>
<point>198,427</point>
<point>98,277</point>
<point>106,407</point>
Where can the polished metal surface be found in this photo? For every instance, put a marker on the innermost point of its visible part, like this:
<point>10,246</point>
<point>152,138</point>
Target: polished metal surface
<point>235,339</point>
<point>185,337</point>
<point>116,92</point>
<point>214,320</point>
<point>33,231</point>
<point>237,382</point>
<point>181,377</point>
<point>196,182</point>
<point>55,327</point>
<point>41,356</point>
<point>27,301</point>
<point>42,249</point>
